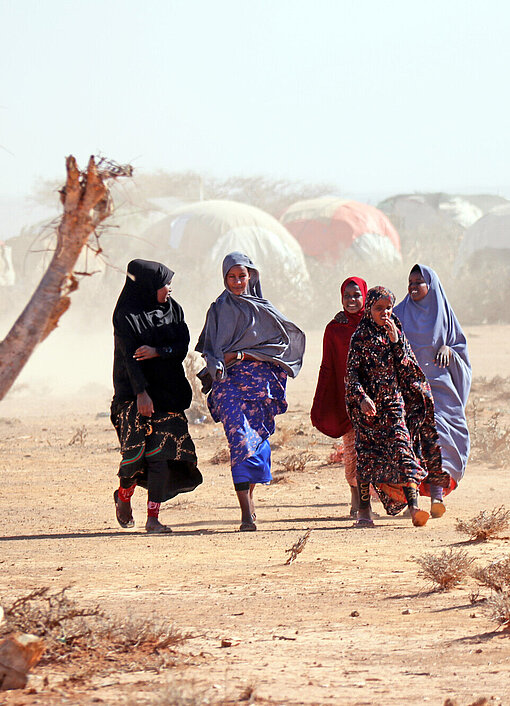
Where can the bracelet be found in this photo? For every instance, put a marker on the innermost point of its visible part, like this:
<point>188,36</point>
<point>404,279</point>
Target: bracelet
<point>240,355</point>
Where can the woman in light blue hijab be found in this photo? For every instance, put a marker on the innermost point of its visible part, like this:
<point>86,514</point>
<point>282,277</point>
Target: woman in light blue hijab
<point>440,346</point>
<point>249,348</point>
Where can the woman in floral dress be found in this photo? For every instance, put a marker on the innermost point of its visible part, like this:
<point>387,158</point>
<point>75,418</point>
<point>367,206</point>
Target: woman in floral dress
<point>249,348</point>
<point>392,411</point>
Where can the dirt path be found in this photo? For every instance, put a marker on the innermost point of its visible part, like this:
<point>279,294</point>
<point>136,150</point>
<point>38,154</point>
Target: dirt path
<point>349,622</point>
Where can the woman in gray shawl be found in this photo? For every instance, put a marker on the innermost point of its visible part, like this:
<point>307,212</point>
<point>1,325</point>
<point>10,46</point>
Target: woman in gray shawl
<point>249,348</point>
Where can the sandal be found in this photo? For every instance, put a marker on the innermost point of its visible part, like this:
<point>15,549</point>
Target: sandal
<point>364,522</point>
<point>248,527</point>
<point>420,518</point>
<point>156,527</point>
<point>125,523</point>
<point>437,508</point>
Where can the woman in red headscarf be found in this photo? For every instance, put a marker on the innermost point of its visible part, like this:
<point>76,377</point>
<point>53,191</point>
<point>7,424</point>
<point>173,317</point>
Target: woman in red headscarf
<point>329,414</point>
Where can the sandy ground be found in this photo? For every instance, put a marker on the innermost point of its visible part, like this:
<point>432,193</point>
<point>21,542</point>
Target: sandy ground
<point>349,622</point>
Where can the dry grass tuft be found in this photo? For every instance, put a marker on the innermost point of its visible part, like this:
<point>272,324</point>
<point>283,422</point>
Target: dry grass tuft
<point>337,454</point>
<point>490,439</point>
<point>79,436</point>
<point>221,456</point>
<point>486,525</point>
<point>446,569</point>
<point>69,630</point>
<point>296,463</point>
<point>498,609</point>
<point>297,547</point>
<point>495,576</point>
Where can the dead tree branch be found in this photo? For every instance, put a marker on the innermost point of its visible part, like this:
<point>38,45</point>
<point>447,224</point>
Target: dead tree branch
<point>86,203</point>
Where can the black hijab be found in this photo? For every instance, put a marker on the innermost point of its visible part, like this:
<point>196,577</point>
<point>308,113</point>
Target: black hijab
<point>140,290</point>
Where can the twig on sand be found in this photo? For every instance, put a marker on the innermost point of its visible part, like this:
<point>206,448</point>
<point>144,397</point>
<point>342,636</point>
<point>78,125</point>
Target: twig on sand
<point>297,547</point>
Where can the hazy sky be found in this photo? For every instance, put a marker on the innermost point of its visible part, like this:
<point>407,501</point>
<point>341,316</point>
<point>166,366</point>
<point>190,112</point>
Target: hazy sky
<point>377,97</point>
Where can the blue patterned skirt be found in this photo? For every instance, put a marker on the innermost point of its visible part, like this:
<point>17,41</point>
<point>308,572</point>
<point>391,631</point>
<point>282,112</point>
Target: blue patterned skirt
<point>246,403</point>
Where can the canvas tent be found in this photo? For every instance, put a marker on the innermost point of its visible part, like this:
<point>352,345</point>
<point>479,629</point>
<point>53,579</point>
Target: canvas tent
<point>438,211</point>
<point>488,238</point>
<point>196,237</point>
<point>329,229</point>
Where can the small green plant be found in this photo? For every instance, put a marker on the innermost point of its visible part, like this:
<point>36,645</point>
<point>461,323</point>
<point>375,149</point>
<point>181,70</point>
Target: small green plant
<point>445,570</point>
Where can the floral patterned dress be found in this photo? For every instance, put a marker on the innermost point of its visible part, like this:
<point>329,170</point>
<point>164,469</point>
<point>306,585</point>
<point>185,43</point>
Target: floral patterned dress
<point>246,403</point>
<point>398,446</point>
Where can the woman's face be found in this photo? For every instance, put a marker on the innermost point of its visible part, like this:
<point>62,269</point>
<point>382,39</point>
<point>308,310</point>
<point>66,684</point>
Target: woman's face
<point>352,298</point>
<point>163,293</point>
<point>381,311</point>
<point>237,279</point>
<point>417,288</point>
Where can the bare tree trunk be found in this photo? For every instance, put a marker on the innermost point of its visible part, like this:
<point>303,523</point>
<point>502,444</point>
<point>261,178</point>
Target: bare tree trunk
<point>86,203</point>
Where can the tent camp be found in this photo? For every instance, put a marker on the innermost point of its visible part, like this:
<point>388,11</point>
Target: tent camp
<point>438,211</point>
<point>196,237</point>
<point>483,257</point>
<point>329,229</point>
<point>488,238</point>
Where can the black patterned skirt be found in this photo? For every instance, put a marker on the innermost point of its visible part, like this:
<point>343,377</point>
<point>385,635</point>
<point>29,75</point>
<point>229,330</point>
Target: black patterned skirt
<point>164,436</point>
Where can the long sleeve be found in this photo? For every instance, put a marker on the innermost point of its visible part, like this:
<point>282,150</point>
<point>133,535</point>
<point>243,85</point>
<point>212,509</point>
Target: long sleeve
<point>126,345</point>
<point>329,413</point>
<point>355,392</point>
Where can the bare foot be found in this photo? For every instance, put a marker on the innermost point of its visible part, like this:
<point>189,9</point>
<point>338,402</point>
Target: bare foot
<point>123,511</point>
<point>154,526</point>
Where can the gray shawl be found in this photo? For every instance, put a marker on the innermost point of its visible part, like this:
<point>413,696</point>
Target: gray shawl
<point>248,323</point>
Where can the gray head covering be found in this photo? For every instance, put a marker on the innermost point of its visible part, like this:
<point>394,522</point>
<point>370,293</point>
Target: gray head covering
<point>238,259</point>
<point>248,323</point>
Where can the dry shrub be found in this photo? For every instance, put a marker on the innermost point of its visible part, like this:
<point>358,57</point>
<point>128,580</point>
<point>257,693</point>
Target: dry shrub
<point>79,436</point>
<point>482,701</point>
<point>283,437</point>
<point>486,525</point>
<point>69,629</point>
<point>498,609</point>
<point>221,456</point>
<point>447,569</point>
<point>53,616</point>
<point>337,454</point>
<point>490,441</point>
<point>495,576</point>
<point>296,463</point>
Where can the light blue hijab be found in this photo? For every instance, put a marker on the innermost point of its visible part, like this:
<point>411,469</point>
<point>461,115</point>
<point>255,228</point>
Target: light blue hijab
<point>429,324</point>
<point>248,323</point>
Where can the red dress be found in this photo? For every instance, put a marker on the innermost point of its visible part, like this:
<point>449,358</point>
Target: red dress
<point>328,413</point>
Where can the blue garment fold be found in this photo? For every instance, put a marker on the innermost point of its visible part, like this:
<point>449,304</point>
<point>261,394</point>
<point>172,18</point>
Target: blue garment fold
<point>256,468</point>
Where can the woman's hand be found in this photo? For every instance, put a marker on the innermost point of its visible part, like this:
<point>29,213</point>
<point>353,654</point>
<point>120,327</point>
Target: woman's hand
<point>144,404</point>
<point>391,330</point>
<point>229,357</point>
<point>443,357</point>
<point>145,353</point>
<point>368,407</point>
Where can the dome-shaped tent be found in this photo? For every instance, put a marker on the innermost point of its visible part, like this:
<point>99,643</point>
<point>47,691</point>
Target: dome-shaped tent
<point>328,228</point>
<point>199,235</point>
<point>487,237</point>
<point>483,257</point>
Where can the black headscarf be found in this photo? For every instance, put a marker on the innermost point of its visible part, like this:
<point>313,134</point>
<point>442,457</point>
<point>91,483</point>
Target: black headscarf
<point>140,290</point>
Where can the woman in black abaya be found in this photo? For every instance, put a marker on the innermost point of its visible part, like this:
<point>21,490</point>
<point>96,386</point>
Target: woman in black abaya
<point>151,394</point>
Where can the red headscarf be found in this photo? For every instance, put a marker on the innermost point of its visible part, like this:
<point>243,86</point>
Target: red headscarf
<point>355,318</point>
<point>328,413</point>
